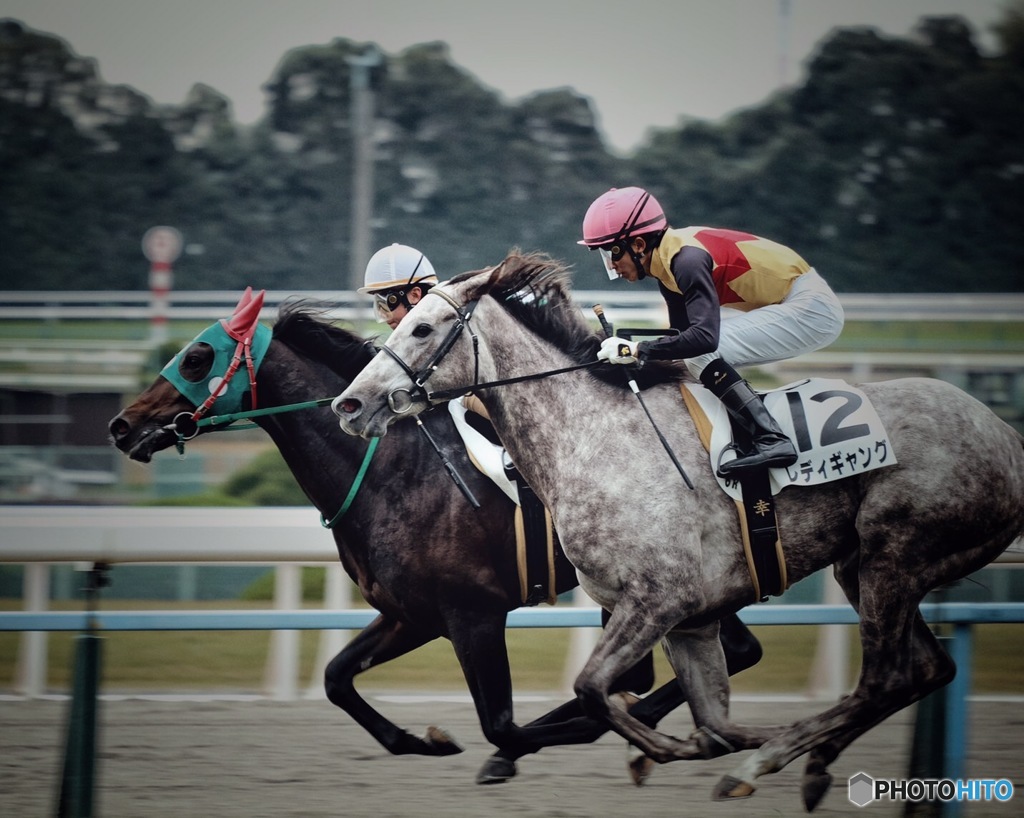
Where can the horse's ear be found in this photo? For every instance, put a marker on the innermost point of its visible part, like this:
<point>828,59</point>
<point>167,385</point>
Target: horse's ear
<point>246,314</point>
<point>483,282</point>
<point>245,299</point>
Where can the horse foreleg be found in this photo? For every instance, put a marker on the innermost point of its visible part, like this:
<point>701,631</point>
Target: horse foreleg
<point>501,765</point>
<point>379,642</point>
<point>742,650</point>
<point>479,643</point>
<point>630,633</point>
<point>699,661</point>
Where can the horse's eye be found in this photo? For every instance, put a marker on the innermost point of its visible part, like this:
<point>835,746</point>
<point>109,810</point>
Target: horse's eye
<point>422,330</point>
<point>196,363</point>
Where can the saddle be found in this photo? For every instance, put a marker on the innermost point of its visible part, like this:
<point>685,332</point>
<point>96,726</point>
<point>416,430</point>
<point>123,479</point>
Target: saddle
<point>837,434</point>
<point>759,528</point>
<point>536,553</point>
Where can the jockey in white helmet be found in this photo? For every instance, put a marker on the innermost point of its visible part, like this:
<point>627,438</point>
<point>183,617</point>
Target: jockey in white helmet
<point>397,276</point>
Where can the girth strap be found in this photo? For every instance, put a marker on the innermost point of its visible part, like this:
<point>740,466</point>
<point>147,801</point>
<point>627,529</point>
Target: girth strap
<point>762,545</point>
<point>761,534</point>
<point>534,548</point>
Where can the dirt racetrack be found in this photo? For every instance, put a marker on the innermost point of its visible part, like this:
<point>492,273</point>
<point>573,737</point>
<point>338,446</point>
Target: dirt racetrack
<point>161,758</point>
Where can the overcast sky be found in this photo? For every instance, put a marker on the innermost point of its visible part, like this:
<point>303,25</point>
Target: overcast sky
<point>643,63</point>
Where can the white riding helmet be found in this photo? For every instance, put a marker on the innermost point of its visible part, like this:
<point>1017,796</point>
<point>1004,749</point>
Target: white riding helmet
<point>397,265</point>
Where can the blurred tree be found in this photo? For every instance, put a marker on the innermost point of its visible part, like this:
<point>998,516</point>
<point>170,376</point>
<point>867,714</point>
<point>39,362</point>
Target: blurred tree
<point>265,481</point>
<point>897,165</point>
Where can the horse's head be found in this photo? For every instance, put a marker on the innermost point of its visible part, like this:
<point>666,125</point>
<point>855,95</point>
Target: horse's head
<point>437,352</point>
<point>429,350</point>
<point>215,371</point>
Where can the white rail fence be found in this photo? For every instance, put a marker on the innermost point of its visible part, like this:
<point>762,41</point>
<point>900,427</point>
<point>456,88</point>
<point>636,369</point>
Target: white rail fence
<point>87,365</point>
<point>288,538</point>
<point>623,305</point>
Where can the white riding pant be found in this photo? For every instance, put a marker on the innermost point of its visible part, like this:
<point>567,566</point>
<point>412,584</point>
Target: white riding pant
<point>808,318</point>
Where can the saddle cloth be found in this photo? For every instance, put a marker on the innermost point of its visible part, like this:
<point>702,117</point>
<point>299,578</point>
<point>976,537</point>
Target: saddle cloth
<point>833,425</point>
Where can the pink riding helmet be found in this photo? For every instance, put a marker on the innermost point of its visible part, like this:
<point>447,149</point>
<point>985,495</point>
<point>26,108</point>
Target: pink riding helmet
<point>620,213</point>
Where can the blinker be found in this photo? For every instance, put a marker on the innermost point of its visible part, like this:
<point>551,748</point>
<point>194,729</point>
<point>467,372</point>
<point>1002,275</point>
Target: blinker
<point>224,338</point>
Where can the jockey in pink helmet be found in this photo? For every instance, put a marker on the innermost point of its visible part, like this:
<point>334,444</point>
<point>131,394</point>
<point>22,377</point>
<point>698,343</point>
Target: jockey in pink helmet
<point>733,298</point>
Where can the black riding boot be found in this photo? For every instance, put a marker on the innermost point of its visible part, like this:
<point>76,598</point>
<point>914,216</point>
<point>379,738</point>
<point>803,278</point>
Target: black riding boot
<point>771,447</point>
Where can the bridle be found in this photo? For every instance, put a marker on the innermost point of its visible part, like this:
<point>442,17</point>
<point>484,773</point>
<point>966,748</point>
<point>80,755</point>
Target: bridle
<point>401,401</point>
<point>187,424</point>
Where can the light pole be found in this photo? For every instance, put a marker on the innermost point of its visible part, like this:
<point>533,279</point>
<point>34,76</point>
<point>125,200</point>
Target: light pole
<point>362,162</point>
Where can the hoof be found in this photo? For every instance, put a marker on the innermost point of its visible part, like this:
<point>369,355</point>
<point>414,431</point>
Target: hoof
<point>729,788</point>
<point>638,765</point>
<point>496,770</point>
<point>440,743</point>
<point>813,788</point>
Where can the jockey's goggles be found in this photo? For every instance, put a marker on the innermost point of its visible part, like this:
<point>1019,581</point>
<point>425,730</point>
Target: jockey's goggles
<point>385,303</point>
<point>610,254</point>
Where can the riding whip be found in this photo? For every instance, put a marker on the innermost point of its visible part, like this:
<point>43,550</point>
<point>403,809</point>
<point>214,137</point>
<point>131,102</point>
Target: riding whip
<point>599,312</point>
<point>449,466</point>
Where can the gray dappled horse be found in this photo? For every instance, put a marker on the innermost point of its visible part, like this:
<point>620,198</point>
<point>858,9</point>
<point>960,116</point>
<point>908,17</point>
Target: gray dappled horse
<point>667,559</point>
<point>430,563</point>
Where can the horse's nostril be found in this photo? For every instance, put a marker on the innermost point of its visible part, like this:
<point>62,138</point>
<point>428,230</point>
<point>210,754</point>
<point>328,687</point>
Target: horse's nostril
<point>119,428</point>
<point>343,407</point>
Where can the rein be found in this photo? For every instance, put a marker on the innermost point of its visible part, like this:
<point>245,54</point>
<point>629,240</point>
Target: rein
<point>401,400</point>
<point>354,490</point>
<point>448,394</point>
<point>227,419</point>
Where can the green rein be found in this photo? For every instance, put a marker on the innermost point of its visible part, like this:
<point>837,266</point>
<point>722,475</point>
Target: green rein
<point>227,419</point>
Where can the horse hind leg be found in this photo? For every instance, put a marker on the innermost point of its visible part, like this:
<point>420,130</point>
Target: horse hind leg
<point>379,642</point>
<point>934,669</point>
<point>891,678</point>
<point>817,780</point>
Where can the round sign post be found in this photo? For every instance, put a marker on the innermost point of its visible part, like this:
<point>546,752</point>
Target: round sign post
<point>162,246</point>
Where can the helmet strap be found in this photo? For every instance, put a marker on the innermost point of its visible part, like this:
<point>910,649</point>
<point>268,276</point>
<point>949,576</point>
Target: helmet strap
<point>629,224</point>
<point>402,294</point>
<point>638,261</point>
<point>412,275</point>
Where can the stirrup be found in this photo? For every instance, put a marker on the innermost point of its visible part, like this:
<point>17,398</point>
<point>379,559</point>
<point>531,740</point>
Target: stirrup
<point>728,447</point>
<point>729,468</point>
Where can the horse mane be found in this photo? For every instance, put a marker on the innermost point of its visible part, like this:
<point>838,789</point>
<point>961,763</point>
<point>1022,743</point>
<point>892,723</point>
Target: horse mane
<point>536,290</point>
<point>300,325</point>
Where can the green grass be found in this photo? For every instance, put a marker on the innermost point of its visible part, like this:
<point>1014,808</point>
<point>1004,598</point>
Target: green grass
<point>235,660</point>
<point>919,336</point>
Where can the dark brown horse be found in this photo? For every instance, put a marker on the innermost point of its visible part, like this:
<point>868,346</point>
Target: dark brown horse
<point>430,563</point>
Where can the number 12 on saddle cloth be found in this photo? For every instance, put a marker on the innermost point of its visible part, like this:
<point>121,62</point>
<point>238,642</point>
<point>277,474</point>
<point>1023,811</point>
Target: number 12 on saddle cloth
<point>833,425</point>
